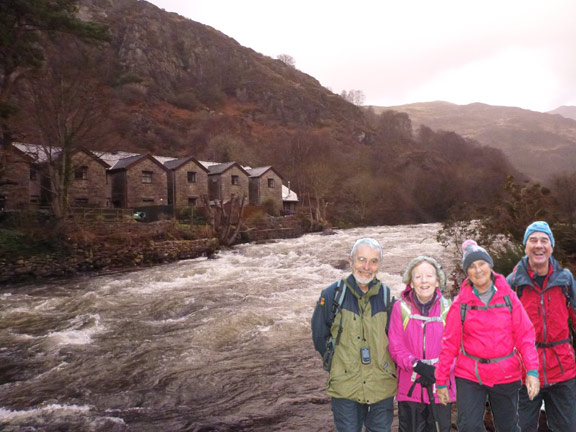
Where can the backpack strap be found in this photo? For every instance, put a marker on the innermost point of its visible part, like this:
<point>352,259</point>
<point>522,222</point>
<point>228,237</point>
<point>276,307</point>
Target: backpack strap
<point>444,308</point>
<point>407,314</point>
<point>339,294</point>
<point>388,304</point>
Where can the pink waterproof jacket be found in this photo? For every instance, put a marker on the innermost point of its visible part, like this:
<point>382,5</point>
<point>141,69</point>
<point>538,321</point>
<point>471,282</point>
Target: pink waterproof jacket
<point>415,337</point>
<point>495,345</point>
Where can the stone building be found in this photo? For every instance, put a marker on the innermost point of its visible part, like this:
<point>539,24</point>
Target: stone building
<point>130,180</point>
<point>19,179</point>
<point>227,180</point>
<point>38,169</point>
<point>289,200</point>
<point>187,182</point>
<point>89,183</point>
<point>265,187</point>
<point>138,181</point>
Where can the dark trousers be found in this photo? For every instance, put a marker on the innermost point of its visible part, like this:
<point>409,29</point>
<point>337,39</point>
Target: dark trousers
<point>351,416</point>
<point>471,401</point>
<point>419,417</point>
<point>560,402</point>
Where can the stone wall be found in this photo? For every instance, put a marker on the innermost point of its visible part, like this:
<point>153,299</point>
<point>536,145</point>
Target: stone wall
<point>95,258</point>
<point>259,235</point>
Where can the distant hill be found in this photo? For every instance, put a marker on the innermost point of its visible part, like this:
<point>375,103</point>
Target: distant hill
<point>537,144</point>
<point>565,111</point>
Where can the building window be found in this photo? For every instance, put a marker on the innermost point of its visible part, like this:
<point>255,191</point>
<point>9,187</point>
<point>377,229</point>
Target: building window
<point>191,176</point>
<point>235,180</point>
<point>34,199</point>
<point>192,201</point>
<point>81,173</point>
<point>271,183</point>
<point>33,174</point>
<point>146,176</point>
<point>147,201</point>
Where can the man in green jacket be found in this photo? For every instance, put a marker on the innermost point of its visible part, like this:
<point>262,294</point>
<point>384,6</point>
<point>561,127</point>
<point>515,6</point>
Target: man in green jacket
<point>348,330</point>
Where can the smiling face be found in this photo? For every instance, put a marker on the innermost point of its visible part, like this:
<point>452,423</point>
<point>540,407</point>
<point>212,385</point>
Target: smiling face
<point>480,274</point>
<point>539,249</point>
<point>365,263</point>
<point>424,281</point>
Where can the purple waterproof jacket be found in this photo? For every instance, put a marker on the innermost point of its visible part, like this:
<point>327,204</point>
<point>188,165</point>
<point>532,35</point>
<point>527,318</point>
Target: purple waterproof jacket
<point>414,337</point>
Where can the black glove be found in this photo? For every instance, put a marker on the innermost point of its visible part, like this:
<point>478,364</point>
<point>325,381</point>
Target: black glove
<point>425,371</point>
<point>425,382</point>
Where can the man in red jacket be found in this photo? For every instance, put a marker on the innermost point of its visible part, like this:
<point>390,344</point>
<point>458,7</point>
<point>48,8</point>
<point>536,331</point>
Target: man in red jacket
<point>548,293</point>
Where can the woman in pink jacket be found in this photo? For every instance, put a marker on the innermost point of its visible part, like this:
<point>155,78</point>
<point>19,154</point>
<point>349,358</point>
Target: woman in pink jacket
<point>492,339</point>
<point>415,334</point>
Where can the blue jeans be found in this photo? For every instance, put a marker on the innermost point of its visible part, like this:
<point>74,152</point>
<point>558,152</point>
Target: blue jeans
<point>471,401</point>
<point>351,416</point>
<point>560,402</point>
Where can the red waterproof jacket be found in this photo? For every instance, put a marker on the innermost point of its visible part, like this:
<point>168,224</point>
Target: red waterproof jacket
<point>493,344</point>
<point>549,307</point>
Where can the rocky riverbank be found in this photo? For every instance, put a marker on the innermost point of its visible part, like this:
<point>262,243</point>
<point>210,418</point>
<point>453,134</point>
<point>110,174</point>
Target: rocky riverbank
<point>125,247</point>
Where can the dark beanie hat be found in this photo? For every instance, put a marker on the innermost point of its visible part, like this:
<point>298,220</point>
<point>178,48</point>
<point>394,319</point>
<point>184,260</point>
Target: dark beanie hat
<point>472,252</point>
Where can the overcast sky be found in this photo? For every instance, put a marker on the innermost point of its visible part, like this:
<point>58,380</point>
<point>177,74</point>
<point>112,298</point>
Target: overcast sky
<point>500,52</point>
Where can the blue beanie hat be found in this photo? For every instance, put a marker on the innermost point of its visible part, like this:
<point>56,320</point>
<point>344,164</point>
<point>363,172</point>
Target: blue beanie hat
<point>538,226</point>
<point>472,252</point>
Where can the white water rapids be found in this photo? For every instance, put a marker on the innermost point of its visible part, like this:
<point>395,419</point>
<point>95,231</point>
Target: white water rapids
<point>199,345</point>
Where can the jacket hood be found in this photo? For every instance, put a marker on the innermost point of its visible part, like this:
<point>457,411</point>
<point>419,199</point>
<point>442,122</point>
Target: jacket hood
<point>521,274</point>
<point>406,292</point>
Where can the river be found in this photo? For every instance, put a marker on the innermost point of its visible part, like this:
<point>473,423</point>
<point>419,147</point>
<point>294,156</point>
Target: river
<point>199,345</point>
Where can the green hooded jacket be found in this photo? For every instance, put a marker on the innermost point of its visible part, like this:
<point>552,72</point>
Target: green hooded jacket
<point>363,319</point>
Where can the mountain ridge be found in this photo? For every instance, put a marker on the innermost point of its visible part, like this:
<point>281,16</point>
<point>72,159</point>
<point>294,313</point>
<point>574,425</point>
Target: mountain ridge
<point>537,144</point>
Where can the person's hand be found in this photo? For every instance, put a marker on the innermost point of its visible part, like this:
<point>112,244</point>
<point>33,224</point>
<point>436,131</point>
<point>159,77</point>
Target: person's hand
<point>426,371</point>
<point>443,396</point>
<point>532,386</point>
<point>425,382</point>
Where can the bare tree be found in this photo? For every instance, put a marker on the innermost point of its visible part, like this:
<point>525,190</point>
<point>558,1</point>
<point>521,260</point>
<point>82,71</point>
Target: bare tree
<point>225,218</point>
<point>287,59</point>
<point>70,110</point>
<point>354,96</point>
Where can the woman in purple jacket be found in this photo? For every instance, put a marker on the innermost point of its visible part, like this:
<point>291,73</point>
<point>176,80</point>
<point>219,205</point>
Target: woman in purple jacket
<point>415,334</point>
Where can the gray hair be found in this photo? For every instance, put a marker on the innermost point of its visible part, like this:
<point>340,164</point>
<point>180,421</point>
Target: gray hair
<point>407,277</point>
<point>370,242</point>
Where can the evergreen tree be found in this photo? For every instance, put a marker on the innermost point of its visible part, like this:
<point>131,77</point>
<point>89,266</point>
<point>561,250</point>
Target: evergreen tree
<point>23,26</point>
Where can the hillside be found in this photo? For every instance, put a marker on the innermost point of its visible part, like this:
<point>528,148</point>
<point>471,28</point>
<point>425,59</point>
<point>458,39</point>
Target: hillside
<point>537,144</point>
<point>171,86</point>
